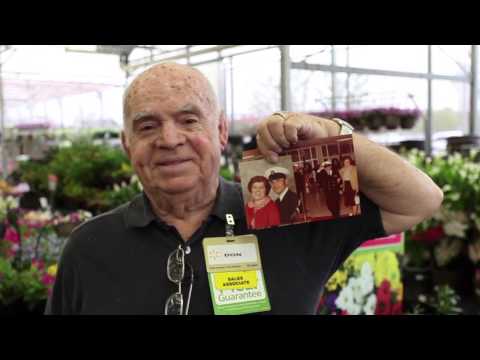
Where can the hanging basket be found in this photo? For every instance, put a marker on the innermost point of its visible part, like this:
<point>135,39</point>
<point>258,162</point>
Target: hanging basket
<point>375,122</point>
<point>392,122</point>
<point>408,122</point>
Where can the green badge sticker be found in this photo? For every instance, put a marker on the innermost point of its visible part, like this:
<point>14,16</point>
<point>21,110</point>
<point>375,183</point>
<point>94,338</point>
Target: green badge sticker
<point>235,275</point>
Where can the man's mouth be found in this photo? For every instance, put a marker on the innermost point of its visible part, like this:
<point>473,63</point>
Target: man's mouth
<point>172,162</point>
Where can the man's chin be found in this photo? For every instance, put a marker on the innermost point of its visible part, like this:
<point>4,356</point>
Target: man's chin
<point>178,186</point>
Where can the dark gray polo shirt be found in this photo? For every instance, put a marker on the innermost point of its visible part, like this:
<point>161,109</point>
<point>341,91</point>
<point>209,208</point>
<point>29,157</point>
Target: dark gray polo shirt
<point>116,263</point>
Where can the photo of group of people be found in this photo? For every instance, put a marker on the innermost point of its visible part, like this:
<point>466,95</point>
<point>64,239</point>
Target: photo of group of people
<point>310,182</point>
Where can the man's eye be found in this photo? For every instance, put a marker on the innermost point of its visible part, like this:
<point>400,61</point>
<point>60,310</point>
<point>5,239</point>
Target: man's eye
<point>190,121</point>
<point>146,126</point>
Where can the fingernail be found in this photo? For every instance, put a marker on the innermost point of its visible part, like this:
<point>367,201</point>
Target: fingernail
<point>274,157</point>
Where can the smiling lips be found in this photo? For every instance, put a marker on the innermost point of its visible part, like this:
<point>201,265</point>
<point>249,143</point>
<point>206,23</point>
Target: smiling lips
<point>172,162</point>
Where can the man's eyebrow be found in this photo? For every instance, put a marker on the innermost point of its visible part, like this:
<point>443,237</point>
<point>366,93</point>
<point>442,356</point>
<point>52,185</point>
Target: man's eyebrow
<point>189,109</point>
<point>141,115</point>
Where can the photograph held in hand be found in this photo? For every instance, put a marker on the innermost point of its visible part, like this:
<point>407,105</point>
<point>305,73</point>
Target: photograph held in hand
<point>312,181</point>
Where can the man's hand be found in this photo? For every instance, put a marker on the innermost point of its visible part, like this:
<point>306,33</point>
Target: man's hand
<point>279,131</point>
<point>405,195</point>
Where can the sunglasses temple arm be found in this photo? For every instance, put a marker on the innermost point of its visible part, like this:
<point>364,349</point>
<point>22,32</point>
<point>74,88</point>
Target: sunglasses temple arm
<point>189,296</point>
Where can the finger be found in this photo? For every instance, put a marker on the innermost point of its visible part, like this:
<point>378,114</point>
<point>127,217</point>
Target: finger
<point>267,139</point>
<point>277,131</point>
<point>270,155</point>
<point>291,130</point>
<point>299,127</point>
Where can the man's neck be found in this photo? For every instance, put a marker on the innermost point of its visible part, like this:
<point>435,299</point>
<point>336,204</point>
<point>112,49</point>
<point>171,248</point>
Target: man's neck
<point>185,211</point>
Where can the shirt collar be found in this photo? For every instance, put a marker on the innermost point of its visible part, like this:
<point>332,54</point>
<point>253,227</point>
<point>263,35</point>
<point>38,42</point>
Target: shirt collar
<point>282,195</point>
<point>139,211</point>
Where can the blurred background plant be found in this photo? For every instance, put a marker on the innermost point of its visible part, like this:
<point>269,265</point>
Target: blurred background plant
<point>445,249</point>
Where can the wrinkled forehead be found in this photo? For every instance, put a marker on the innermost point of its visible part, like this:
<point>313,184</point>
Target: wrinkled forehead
<point>169,82</point>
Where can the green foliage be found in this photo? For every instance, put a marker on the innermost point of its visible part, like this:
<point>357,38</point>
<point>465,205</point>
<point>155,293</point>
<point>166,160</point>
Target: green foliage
<point>8,283</point>
<point>29,284</point>
<point>226,173</point>
<point>36,175</point>
<point>444,301</point>
<point>21,284</point>
<point>85,174</point>
<point>124,192</point>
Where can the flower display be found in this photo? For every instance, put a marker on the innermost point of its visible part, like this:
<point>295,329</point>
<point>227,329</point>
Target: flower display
<point>6,204</point>
<point>376,118</point>
<point>367,283</point>
<point>29,252</point>
<point>447,235</point>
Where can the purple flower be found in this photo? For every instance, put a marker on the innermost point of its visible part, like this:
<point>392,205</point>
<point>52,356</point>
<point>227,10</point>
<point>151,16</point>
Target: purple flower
<point>330,301</point>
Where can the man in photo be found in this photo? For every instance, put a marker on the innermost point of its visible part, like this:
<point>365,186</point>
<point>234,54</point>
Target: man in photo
<point>331,185</point>
<point>287,200</point>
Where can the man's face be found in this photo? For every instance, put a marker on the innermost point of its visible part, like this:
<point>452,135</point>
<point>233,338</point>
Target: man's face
<point>278,185</point>
<point>173,136</point>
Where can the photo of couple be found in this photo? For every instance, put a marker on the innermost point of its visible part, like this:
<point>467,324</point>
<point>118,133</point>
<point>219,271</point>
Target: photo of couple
<point>310,182</point>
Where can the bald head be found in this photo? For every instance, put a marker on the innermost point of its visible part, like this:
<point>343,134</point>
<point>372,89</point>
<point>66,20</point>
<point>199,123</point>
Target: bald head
<point>167,80</point>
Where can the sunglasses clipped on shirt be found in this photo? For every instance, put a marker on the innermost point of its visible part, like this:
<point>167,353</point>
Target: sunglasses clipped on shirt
<point>176,267</point>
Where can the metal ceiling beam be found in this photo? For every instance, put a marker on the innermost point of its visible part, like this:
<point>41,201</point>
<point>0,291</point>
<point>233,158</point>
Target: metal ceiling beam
<point>134,65</point>
<point>365,71</point>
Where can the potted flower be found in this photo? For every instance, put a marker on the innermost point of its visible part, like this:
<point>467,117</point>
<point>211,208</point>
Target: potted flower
<point>374,118</point>
<point>366,283</point>
<point>408,118</point>
<point>459,216</point>
<point>392,118</point>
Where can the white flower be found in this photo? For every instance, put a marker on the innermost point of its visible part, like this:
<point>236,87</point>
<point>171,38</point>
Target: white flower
<point>455,228</point>
<point>345,298</point>
<point>116,187</point>
<point>422,298</point>
<point>354,309</point>
<point>366,270</point>
<point>356,286</point>
<point>367,285</point>
<point>369,308</point>
<point>477,223</point>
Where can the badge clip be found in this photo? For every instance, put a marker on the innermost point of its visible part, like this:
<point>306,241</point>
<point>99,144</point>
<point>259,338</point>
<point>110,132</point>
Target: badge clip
<point>229,234</point>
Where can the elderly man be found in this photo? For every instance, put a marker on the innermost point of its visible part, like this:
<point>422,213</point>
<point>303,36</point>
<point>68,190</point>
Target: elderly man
<point>127,260</point>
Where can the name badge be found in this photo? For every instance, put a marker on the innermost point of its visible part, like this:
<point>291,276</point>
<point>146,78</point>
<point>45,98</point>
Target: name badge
<point>235,275</point>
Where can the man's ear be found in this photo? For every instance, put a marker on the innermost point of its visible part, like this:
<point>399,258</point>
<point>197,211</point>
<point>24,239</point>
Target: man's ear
<point>223,130</point>
<point>125,144</point>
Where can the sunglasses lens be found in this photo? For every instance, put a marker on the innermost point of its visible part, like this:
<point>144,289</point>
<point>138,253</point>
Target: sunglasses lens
<point>176,266</point>
<point>174,304</point>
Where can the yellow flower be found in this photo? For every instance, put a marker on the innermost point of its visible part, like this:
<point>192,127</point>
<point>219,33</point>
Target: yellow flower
<point>342,278</point>
<point>338,279</point>
<point>360,259</point>
<point>52,270</point>
<point>332,283</point>
<point>400,293</point>
<point>387,268</point>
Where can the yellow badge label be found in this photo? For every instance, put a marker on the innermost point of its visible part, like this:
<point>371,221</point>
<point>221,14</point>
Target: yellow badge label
<point>235,280</point>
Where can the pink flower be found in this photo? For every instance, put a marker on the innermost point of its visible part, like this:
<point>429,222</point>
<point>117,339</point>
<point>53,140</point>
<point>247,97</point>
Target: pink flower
<point>48,279</point>
<point>384,295</point>
<point>12,235</point>
<point>397,308</point>
<point>39,264</point>
<point>430,235</point>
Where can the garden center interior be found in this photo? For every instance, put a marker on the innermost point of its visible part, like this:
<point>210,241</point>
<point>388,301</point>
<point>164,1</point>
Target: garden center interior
<point>62,160</point>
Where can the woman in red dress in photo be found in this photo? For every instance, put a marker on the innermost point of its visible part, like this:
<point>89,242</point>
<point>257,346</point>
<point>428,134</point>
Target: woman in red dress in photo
<point>262,212</point>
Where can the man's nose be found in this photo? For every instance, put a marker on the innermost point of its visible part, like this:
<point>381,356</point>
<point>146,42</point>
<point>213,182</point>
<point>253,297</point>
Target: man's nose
<point>170,136</point>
